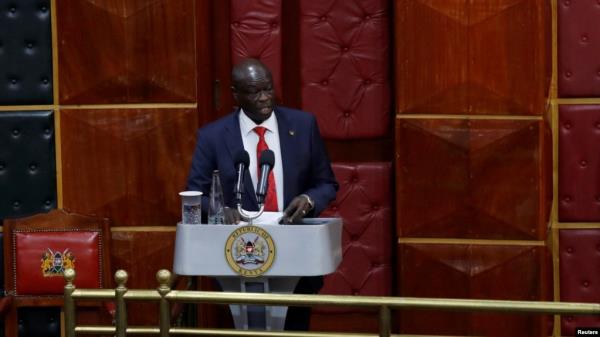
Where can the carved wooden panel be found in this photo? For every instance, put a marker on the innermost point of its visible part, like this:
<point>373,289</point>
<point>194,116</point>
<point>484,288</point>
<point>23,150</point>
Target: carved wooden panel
<point>127,165</point>
<point>472,57</point>
<point>142,254</point>
<point>471,179</point>
<point>477,272</point>
<point>118,51</point>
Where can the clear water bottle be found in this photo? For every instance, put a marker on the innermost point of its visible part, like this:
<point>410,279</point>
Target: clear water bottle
<point>216,212</point>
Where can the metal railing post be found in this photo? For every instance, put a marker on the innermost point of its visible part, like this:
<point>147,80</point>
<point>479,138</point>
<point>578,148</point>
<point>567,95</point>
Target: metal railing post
<point>120,290</point>
<point>69,305</point>
<point>163,277</point>
<point>385,328</point>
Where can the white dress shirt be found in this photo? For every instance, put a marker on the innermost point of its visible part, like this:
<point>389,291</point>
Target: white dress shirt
<point>250,140</point>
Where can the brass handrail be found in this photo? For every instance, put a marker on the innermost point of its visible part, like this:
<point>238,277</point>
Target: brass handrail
<point>164,295</point>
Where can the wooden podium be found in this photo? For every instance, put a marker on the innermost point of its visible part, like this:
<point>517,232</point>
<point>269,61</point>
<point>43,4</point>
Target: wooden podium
<point>263,258</point>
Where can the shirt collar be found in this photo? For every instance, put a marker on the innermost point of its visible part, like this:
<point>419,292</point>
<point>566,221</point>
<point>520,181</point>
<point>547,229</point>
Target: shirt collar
<point>247,125</point>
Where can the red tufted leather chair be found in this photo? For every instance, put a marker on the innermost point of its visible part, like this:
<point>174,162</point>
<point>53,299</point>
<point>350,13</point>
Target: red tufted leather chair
<point>364,202</point>
<point>38,248</point>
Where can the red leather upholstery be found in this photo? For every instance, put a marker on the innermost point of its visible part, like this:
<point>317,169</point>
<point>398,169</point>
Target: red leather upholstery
<point>41,257</point>
<point>579,274</point>
<point>345,66</point>
<point>579,163</point>
<point>364,202</point>
<point>256,32</point>
<point>578,48</point>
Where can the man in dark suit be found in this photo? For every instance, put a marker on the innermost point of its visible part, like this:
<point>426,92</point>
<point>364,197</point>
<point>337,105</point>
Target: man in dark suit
<point>303,180</point>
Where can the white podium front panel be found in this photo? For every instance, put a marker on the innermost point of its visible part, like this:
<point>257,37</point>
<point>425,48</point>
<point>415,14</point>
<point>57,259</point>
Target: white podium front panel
<point>309,249</point>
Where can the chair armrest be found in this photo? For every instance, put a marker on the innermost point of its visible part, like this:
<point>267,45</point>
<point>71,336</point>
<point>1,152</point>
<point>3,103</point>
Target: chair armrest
<point>5,303</point>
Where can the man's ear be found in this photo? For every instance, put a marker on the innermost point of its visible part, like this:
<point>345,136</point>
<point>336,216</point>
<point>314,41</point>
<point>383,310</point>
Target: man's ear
<point>234,92</point>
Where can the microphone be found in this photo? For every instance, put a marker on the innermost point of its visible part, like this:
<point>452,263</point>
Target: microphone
<point>267,161</point>
<point>242,161</point>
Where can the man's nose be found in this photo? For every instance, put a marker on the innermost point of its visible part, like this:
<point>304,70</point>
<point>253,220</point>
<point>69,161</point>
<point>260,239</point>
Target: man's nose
<point>262,96</point>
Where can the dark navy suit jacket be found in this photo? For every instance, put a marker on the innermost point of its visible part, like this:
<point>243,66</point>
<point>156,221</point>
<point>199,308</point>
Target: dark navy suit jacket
<point>306,166</point>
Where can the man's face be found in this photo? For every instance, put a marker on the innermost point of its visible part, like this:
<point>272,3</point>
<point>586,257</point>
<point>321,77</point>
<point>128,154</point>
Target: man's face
<point>255,94</point>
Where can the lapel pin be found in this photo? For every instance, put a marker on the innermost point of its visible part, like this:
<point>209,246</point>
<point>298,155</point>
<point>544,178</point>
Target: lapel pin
<point>292,132</point>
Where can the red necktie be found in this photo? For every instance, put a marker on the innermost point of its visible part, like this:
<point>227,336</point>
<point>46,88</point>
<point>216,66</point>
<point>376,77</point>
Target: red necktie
<point>271,197</point>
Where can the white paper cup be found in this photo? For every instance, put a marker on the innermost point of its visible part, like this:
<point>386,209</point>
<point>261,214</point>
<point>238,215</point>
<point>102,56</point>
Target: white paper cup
<point>191,207</point>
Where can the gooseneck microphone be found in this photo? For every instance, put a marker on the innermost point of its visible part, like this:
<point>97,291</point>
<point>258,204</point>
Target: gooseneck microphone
<point>242,161</point>
<point>267,161</point>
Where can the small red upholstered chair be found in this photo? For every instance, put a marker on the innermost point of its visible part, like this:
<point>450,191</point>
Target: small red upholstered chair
<point>37,249</point>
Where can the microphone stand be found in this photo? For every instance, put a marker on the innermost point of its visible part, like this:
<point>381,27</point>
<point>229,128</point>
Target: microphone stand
<point>250,215</point>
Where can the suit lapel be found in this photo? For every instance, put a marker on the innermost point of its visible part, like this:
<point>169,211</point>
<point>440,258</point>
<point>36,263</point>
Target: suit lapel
<point>233,140</point>
<point>286,142</point>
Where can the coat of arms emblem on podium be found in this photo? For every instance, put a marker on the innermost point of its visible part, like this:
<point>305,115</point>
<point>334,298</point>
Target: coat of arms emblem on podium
<point>250,251</point>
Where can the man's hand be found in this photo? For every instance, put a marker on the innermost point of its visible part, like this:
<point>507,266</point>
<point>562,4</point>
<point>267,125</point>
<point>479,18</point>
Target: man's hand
<point>232,216</point>
<point>297,209</point>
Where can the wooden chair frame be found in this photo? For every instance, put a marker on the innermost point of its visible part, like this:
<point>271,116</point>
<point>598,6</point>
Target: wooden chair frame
<point>55,220</point>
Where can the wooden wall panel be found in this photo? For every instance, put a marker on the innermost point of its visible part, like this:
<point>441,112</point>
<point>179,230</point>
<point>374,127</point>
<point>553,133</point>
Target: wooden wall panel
<point>127,164</point>
<point>483,173</point>
<point>460,178</point>
<point>472,271</point>
<point>126,52</point>
<point>472,57</point>
<point>142,254</point>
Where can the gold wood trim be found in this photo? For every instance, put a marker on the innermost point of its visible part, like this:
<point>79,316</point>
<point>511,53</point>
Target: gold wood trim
<point>475,117</point>
<point>554,80</point>
<point>554,129</point>
<point>62,323</point>
<point>58,159</point>
<point>130,106</point>
<point>554,209</point>
<point>55,88</point>
<point>556,274</point>
<point>143,229</point>
<point>574,101</point>
<point>578,225</point>
<point>555,154</point>
<point>26,107</point>
<point>472,242</point>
